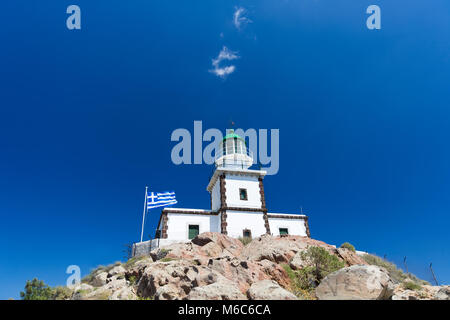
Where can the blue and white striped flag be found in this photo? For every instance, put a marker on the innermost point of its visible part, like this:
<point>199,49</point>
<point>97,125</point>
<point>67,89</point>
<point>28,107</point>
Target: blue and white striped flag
<point>156,199</point>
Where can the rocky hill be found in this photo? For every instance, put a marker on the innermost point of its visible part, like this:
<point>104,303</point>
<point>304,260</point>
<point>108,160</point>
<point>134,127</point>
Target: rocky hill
<point>214,266</point>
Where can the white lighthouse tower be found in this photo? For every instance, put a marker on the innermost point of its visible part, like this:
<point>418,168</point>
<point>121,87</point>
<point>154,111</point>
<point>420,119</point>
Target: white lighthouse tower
<point>237,192</point>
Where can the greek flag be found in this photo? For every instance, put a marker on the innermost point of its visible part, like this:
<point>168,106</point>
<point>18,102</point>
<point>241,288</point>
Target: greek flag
<point>156,199</point>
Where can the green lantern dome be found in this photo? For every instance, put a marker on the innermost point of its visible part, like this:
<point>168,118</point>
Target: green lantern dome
<point>232,135</point>
<point>233,152</point>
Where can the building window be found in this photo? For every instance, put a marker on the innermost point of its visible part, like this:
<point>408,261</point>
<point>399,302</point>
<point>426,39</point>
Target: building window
<point>247,233</point>
<point>193,231</point>
<point>243,194</point>
<point>283,231</point>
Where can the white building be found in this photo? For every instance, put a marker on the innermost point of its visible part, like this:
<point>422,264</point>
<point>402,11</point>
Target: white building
<point>238,205</point>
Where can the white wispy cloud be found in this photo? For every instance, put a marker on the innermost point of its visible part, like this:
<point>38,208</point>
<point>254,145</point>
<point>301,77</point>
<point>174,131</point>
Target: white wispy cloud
<point>224,54</point>
<point>239,18</point>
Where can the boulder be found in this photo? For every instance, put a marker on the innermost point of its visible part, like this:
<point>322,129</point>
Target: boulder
<point>205,277</point>
<point>443,293</point>
<point>81,290</point>
<point>297,262</point>
<point>98,294</point>
<point>358,282</point>
<point>269,290</point>
<point>180,276</point>
<point>117,270</point>
<point>426,292</point>
<point>83,287</point>
<point>116,283</point>
<point>280,249</point>
<point>406,295</point>
<point>242,272</point>
<point>168,292</point>
<point>137,267</point>
<point>124,294</point>
<point>100,279</point>
<point>350,258</point>
<point>222,290</point>
<point>101,293</point>
<point>183,251</point>
<point>159,253</point>
<point>230,245</point>
<point>275,272</point>
<point>202,248</point>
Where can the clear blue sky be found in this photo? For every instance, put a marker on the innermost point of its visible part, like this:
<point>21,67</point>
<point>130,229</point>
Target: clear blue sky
<point>86,118</point>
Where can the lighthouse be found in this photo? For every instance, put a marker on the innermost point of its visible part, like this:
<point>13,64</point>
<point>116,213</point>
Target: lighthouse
<point>237,192</point>
<point>238,204</point>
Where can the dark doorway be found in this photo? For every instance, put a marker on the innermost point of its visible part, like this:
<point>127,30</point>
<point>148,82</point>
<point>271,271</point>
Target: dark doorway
<point>193,231</point>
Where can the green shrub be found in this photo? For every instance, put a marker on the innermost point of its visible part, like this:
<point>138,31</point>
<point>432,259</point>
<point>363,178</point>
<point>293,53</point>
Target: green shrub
<point>245,240</point>
<point>36,290</point>
<point>297,287</point>
<point>62,293</point>
<point>410,285</point>
<point>305,280</point>
<point>133,280</point>
<point>322,263</point>
<point>167,259</point>
<point>132,261</point>
<point>348,246</point>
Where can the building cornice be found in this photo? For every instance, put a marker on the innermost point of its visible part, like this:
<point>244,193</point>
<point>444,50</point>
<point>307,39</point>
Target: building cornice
<point>287,216</point>
<point>238,172</point>
<point>184,211</point>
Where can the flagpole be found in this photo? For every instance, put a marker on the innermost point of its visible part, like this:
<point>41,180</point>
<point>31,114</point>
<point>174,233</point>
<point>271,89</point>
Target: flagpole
<point>143,214</point>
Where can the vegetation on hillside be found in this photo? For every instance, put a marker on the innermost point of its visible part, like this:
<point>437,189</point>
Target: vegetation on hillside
<point>396,273</point>
<point>37,290</point>
<point>245,240</point>
<point>348,246</point>
<point>410,285</point>
<point>90,277</point>
<point>320,263</point>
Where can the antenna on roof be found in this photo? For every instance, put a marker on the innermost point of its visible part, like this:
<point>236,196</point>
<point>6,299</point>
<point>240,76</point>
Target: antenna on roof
<point>231,125</point>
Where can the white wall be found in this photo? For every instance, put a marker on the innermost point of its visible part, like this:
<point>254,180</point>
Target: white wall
<point>214,223</point>
<point>178,225</point>
<point>295,227</point>
<point>234,182</point>
<point>237,221</point>
<point>215,194</point>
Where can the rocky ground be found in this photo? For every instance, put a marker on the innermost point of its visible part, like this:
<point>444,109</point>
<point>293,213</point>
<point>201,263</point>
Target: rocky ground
<point>214,266</point>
